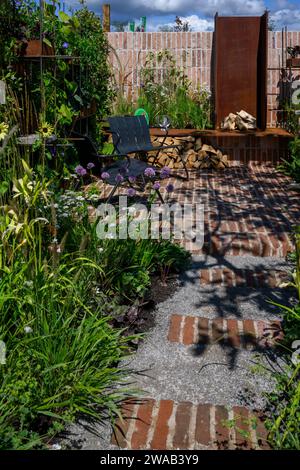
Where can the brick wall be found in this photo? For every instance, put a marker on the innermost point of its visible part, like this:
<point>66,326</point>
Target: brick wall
<point>192,51</point>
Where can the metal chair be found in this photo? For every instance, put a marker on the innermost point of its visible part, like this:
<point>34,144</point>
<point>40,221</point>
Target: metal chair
<point>124,166</point>
<point>131,134</point>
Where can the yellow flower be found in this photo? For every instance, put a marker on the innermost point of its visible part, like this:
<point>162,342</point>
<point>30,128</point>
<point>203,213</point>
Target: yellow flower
<point>46,130</point>
<point>3,130</point>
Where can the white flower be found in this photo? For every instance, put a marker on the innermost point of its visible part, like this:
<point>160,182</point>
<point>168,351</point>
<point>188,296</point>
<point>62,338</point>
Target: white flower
<point>28,329</point>
<point>100,250</point>
<point>56,447</point>
<point>28,283</point>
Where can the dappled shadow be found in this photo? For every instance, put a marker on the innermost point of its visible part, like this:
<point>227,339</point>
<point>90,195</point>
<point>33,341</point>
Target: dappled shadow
<point>267,344</point>
<point>228,300</point>
<point>255,202</point>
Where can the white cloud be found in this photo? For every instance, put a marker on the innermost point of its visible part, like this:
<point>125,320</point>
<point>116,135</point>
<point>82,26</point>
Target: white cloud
<point>288,17</point>
<point>199,24</point>
<point>182,7</point>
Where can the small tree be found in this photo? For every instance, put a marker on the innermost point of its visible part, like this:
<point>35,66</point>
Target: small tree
<point>181,25</point>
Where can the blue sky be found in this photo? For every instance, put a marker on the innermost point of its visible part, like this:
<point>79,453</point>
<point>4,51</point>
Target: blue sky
<point>199,13</point>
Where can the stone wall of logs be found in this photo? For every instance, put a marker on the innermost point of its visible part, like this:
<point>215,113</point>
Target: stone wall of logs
<point>195,152</point>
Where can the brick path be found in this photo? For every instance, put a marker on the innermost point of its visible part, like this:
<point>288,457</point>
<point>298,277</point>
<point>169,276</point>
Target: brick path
<point>249,215</point>
<point>166,424</point>
<point>199,331</point>
<point>242,277</point>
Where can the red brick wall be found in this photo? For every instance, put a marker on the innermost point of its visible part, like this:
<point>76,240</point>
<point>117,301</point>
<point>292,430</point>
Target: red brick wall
<point>192,51</point>
<point>245,148</point>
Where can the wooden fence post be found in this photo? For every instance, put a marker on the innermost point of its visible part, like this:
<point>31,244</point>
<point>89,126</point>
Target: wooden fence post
<point>106,17</point>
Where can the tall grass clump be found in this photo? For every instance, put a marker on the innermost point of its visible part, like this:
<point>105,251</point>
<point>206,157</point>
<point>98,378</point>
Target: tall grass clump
<point>285,400</point>
<point>61,353</point>
<point>166,90</point>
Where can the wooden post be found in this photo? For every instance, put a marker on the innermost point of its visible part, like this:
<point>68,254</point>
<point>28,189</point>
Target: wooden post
<point>106,17</point>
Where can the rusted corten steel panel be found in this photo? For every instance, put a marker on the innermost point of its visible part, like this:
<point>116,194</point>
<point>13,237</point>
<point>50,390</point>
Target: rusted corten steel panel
<point>262,74</point>
<point>238,43</point>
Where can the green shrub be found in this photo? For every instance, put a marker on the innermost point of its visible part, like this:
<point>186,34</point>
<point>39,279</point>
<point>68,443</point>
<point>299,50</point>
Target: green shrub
<point>127,264</point>
<point>291,167</point>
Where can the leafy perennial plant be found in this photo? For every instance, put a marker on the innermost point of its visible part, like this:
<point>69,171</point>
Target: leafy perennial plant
<point>285,400</point>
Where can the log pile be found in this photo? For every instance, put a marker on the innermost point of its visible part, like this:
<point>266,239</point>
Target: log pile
<point>241,121</point>
<point>196,154</point>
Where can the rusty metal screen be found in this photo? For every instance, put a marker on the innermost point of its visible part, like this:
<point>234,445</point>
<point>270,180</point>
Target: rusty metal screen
<point>240,65</point>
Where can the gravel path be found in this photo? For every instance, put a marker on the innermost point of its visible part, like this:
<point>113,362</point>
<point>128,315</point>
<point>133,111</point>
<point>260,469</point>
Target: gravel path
<point>216,375</point>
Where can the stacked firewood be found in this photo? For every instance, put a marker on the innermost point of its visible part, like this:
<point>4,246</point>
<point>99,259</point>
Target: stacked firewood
<point>241,121</point>
<point>196,154</point>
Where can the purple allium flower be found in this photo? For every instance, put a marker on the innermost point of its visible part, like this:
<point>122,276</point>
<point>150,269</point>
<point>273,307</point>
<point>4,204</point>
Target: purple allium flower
<point>156,185</point>
<point>105,175</point>
<point>65,45</point>
<point>165,172</point>
<point>90,165</point>
<point>150,172</point>
<point>119,178</point>
<point>131,192</point>
<point>80,170</point>
<point>170,188</point>
<point>132,179</point>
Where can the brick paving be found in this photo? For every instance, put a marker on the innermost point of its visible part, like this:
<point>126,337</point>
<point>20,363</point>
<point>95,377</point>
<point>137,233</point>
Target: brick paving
<point>248,211</point>
<point>246,333</point>
<point>252,278</point>
<point>166,424</point>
